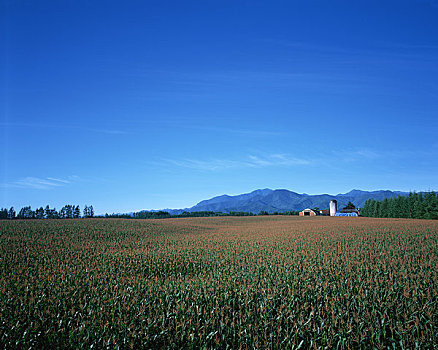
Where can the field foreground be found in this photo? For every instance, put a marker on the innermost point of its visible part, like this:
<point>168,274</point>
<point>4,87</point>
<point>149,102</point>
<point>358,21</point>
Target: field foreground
<point>236,282</point>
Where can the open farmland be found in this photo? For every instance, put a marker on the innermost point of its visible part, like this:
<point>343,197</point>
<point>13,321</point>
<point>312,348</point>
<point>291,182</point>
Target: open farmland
<point>236,282</point>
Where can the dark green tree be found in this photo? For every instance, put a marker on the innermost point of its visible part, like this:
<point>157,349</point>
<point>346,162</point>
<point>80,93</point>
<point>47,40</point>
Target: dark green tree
<point>47,212</point>
<point>11,213</point>
<point>77,212</point>
<point>350,206</point>
<point>26,213</point>
<point>88,212</point>
<point>39,213</point>
<point>51,213</point>
<point>69,211</point>
<point>62,213</point>
<point>3,214</point>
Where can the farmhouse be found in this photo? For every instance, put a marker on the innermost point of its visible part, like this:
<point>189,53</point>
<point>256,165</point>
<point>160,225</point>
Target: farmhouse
<point>349,210</point>
<point>309,212</point>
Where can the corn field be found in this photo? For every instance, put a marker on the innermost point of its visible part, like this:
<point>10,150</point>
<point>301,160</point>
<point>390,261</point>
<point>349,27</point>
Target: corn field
<point>224,282</point>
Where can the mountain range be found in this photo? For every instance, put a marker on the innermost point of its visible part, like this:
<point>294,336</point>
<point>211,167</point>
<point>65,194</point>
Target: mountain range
<point>283,200</point>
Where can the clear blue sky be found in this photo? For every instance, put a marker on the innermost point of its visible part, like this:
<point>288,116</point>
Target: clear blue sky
<point>132,105</point>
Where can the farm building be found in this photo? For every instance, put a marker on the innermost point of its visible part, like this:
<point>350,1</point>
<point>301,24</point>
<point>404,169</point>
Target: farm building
<point>333,207</point>
<point>348,212</point>
<point>309,212</point>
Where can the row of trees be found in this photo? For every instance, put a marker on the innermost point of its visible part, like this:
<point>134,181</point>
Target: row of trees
<point>73,211</point>
<point>67,212</point>
<point>186,214</point>
<point>415,205</point>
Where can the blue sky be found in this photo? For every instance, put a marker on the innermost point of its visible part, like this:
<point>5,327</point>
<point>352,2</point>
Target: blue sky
<point>160,104</point>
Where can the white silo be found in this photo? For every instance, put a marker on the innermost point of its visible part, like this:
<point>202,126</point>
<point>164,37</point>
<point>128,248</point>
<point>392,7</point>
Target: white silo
<point>333,207</point>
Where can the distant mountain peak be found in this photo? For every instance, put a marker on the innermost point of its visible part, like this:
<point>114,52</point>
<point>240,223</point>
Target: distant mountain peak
<point>262,191</point>
<point>285,200</point>
<point>281,200</point>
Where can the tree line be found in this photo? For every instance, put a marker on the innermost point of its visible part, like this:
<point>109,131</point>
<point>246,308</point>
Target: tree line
<point>423,205</point>
<point>74,212</point>
<point>66,212</point>
<point>186,214</point>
